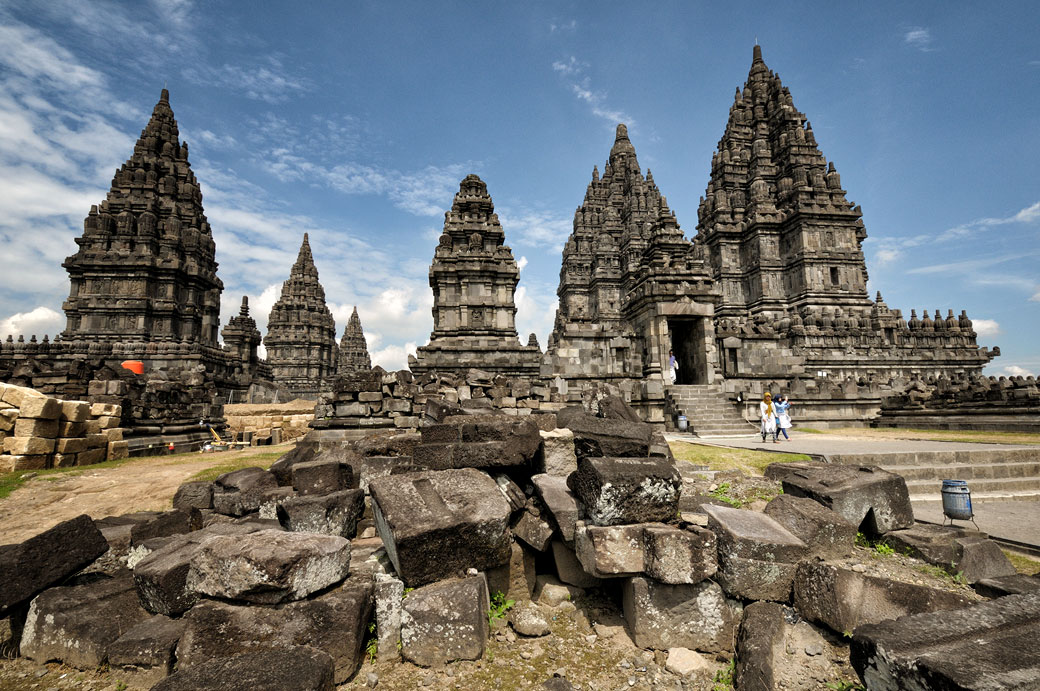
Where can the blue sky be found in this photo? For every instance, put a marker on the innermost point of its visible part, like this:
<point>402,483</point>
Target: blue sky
<point>355,122</point>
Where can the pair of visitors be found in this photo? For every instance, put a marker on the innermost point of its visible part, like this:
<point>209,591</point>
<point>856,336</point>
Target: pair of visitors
<point>783,417</point>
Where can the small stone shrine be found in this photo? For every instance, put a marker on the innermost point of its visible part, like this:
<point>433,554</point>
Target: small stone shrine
<point>353,350</point>
<point>242,339</point>
<point>301,333</point>
<point>473,277</point>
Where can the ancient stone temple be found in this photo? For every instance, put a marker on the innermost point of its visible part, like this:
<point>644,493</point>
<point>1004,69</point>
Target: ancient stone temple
<point>474,277</point>
<point>242,339</point>
<point>629,279</point>
<point>301,333</point>
<point>353,350</point>
<point>145,269</point>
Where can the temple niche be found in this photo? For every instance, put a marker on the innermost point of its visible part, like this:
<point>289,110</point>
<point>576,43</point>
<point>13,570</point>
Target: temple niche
<point>474,278</point>
<point>353,349</point>
<point>301,333</point>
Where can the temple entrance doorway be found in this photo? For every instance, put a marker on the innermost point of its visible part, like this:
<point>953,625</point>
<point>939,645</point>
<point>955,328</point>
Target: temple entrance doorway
<point>690,346</point>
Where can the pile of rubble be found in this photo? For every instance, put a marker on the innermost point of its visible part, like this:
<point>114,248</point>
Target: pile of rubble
<point>416,542</point>
<point>38,431</point>
<point>269,423</point>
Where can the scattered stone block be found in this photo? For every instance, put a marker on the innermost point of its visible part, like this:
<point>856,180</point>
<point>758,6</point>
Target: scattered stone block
<point>1006,585</point>
<point>43,560</point>
<point>993,645</point>
<point>143,656</point>
<point>193,495</point>
<point>301,668</point>
<point>528,620</point>
<point>569,569</point>
<point>268,566</point>
<point>874,500</point>
<point>684,662</point>
<point>680,555</point>
<point>550,591</point>
<point>28,446</point>
<point>757,555</point>
<point>76,624</point>
<point>322,477</point>
<point>608,551</point>
<point>777,650</point>
<point>241,491</point>
<point>842,599</point>
<point>557,456</point>
<point>282,468</point>
<point>15,395</point>
<point>560,502</point>
<point>532,529</point>
<point>43,407</point>
<point>91,456</point>
<point>957,550</point>
<point>334,622</point>
<point>162,524</point>
<point>445,621</point>
<point>827,534</point>
<point>70,446</point>
<point>74,411</point>
<point>616,491</point>
<point>389,596</point>
<point>331,514</point>
<point>697,616</point>
<point>436,524</point>
<point>516,578</point>
<point>35,427</point>
<point>118,450</point>
<point>598,437</point>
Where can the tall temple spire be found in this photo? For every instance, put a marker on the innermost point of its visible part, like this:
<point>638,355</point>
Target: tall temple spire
<point>353,349</point>
<point>146,269</point>
<point>301,333</point>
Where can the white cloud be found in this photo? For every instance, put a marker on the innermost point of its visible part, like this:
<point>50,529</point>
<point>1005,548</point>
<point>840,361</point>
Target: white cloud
<point>887,256</point>
<point>267,81</point>
<point>986,328</point>
<point>919,38</point>
<point>535,228</point>
<point>1035,297</point>
<point>39,321</point>
<point>1016,371</point>
<point>521,263</point>
<point>573,72</point>
<point>561,26</point>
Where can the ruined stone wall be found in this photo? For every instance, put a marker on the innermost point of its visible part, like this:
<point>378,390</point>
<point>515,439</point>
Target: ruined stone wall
<point>286,421</point>
<point>39,431</point>
<point>1008,404</point>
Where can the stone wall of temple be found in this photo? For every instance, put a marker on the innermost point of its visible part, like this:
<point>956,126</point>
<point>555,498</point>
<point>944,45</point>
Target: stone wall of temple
<point>474,277</point>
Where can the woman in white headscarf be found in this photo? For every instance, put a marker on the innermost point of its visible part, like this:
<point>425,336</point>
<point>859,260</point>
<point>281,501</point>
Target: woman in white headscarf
<point>768,415</point>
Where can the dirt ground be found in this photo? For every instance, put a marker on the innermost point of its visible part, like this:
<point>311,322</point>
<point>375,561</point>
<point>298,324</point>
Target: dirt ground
<point>140,484</point>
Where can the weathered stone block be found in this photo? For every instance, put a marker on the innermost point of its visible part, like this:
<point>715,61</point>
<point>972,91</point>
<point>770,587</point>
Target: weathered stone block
<point>439,523</point>
<point>269,566</point>
<point>615,491</point>
<point>117,450</point>
<point>874,500</point>
<point>679,555</point>
<point>569,569</point>
<point>957,550</point>
<point>610,551</point>
<point>516,578</point>
<point>330,514</point>
<point>827,534</point>
<point>91,456</point>
<point>42,407</point>
<point>76,624</point>
<point>72,429</point>
<point>15,395</point>
<point>35,427</point>
<point>241,491</point>
<point>561,503</point>
<point>193,495</point>
<point>322,477</point>
<point>993,645</point>
<point>757,555</point>
<point>1007,585</point>
<point>663,616</point>
<point>162,524</point>
<point>598,437</point>
<point>74,411</point>
<point>70,446</point>
<point>45,559</point>
<point>389,596</point>
<point>445,621</point>
<point>143,656</point>
<point>532,529</point>
<point>301,668</point>
<point>37,462</point>
<point>28,446</point>
<point>557,456</point>
<point>843,599</point>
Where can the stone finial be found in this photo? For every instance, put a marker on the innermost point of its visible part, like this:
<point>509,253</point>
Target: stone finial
<point>164,96</point>
<point>756,53</point>
<point>243,311</point>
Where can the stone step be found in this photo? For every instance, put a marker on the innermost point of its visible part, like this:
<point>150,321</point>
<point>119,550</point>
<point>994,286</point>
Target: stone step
<point>980,497</point>
<point>969,471</point>
<point>940,458</point>
<point>981,486</point>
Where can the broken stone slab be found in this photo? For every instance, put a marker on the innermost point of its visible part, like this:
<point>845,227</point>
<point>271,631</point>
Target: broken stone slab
<point>680,555</point>
<point>268,566</point>
<point>164,524</point>
<point>282,468</point>
<point>697,616</point>
<point>516,578</point>
<point>874,500</point>
<point>334,622</point>
<point>989,646</point>
<point>827,534</point>
<point>957,550</point>
<point>143,656</point>
<point>436,524</point>
<point>531,528</point>
<point>511,491</point>
<point>609,551</point>
<point>29,567</point>
<point>194,495</point>
<point>336,513</point>
<point>501,442</point>
<point>323,477</point>
<point>569,569</point>
<point>1007,585</point>
<point>76,624</point>
<point>300,668</point>
<point>842,599</point>
<point>241,491</point>
<point>598,437</point>
<point>557,456</point>
<point>757,555</point>
<point>445,621</point>
<point>561,503</point>
<point>617,491</point>
<point>389,596</point>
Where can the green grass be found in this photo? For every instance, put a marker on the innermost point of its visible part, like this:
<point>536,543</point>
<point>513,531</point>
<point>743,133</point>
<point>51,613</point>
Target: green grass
<point>9,482</point>
<point>237,462</point>
<point>1023,564</point>
<point>499,606</point>
<point>723,679</point>
<point>718,458</point>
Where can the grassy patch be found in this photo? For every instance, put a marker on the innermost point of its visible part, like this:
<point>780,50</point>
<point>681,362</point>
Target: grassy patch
<point>1022,563</point>
<point>718,458</point>
<point>9,482</point>
<point>933,435</point>
<point>237,461</point>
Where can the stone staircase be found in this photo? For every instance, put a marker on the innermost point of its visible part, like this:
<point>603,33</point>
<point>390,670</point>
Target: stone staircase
<point>709,411</point>
<point>992,475</point>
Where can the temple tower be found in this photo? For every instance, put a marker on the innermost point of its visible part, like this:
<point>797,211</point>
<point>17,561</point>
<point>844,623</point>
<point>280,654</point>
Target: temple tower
<point>353,349</point>
<point>242,339</point>
<point>474,278</point>
<point>301,333</point>
<point>145,269</point>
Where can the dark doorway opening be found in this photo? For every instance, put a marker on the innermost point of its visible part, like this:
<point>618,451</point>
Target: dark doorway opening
<point>689,346</point>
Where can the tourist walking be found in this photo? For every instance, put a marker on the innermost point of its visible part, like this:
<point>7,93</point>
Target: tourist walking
<point>783,417</point>
<point>673,367</point>
<point>767,413</point>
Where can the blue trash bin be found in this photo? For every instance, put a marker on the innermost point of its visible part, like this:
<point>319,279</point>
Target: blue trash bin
<point>682,424</point>
<point>956,500</point>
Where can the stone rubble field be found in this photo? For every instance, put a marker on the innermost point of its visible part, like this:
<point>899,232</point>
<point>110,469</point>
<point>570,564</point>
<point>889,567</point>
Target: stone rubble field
<point>562,550</point>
